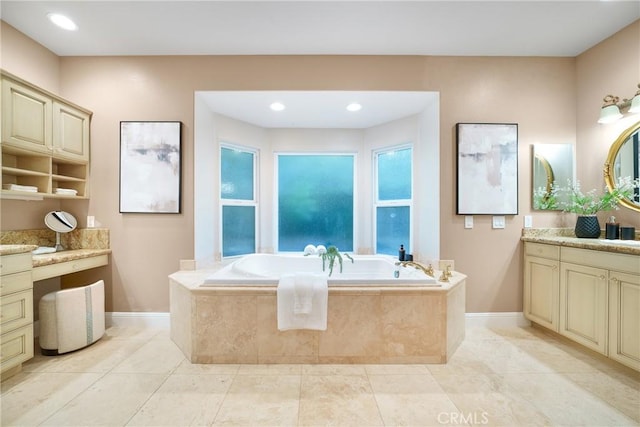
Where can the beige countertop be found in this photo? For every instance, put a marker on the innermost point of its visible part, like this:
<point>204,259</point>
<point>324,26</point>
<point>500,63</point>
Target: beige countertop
<point>67,255</point>
<point>16,249</point>
<point>547,236</point>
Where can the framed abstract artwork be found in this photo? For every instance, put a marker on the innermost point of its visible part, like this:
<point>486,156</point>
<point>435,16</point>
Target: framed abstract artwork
<point>487,169</point>
<point>150,167</point>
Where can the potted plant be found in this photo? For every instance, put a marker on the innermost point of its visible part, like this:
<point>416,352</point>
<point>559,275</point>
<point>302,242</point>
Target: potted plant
<point>330,254</point>
<point>587,205</point>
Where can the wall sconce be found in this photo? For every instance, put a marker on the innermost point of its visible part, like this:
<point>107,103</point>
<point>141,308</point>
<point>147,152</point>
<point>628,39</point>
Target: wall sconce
<point>611,109</point>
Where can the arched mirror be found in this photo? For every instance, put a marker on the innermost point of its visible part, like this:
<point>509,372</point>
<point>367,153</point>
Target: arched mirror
<point>624,161</point>
<point>552,168</point>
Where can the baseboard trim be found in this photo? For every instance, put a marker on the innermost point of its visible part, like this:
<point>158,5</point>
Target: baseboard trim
<point>143,319</point>
<point>496,320</point>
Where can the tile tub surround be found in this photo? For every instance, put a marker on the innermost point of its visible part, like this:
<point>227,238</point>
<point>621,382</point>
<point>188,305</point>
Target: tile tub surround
<point>392,325</point>
<point>566,237</point>
<point>80,238</point>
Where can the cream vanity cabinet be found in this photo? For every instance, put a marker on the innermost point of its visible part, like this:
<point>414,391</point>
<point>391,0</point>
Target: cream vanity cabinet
<point>45,142</point>
<point>541,284</point>
<point>624,318</point>
<point>26,117</point>
<point>70,133</point>
<point>16,315</point>
<point>593,294</point>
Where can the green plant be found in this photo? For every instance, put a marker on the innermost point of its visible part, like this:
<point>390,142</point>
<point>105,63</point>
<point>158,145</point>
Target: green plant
<point>590,203</point>
<point>331,255</point>
<point>546,200</point>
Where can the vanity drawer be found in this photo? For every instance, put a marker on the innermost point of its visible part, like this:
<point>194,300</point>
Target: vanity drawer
<point>16,347</point>
<point>15,263</point>
<point>16,310</point>
<point>607,260</point>
<point>541,250</point>
<point>15,283</point>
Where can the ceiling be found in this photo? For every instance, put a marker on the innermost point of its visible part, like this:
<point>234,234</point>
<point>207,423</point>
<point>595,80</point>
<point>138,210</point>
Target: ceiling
<point>457,28</point>
<point>318,109</point>
<point>460,28</point>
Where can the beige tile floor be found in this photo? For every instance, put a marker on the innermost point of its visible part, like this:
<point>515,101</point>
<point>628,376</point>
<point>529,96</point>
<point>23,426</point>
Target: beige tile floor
<point>506,377</point>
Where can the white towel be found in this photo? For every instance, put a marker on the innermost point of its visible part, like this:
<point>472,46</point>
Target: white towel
<point>303,293</point>
<point>302,301</point>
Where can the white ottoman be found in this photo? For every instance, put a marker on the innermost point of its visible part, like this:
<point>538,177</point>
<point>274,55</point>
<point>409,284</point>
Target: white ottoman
<point>71,319</point>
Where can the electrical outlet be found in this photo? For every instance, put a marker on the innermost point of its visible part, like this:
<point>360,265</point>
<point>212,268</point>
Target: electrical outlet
<point>528,221</point>
<point>498,222</point>
<point>468,221</point>
<point>91,221</point>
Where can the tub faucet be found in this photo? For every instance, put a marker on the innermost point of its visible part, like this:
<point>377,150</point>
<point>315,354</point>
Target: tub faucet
<point>426,270</point>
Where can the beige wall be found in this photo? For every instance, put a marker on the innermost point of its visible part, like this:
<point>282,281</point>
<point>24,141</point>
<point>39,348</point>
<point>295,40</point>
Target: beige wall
<point>537,93</point>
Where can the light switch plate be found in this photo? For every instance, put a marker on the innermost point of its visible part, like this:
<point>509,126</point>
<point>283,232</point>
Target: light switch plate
<point>528,221</point>
<point>468,221</point>
<point>498,222</point>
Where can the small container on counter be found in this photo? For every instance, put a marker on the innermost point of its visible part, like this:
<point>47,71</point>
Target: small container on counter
<point>627,233</point>
<point>612,229</point>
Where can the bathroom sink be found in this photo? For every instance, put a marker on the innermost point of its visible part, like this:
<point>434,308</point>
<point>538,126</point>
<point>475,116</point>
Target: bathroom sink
<point>622,242</point>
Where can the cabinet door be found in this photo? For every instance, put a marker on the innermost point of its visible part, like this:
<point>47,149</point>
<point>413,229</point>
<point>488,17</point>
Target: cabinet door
<point>584,305</point>
<point>541,291</point>
<point>26,118</point>
<point>70,133</point>
<point>624,318</point>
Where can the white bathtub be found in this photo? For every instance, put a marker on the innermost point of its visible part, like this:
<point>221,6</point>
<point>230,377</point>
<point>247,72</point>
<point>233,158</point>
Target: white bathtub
<point>366,270</point>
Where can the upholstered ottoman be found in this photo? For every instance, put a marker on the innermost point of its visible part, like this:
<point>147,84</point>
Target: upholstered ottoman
<point>71,319</point>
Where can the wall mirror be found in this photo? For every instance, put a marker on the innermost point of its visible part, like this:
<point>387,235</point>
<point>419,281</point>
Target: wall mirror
<point>624,161</point>
<point>553,166</point>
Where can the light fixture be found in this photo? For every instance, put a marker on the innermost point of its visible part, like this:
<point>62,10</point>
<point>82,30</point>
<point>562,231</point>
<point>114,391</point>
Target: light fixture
<point>354,106</point>
<point>610,111</point>
<point>62,21</point>
<point>277,106</point>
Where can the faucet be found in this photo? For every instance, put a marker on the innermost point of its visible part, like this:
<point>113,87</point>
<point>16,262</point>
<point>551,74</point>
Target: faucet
<point>426,270</point>
<point>446,274</point>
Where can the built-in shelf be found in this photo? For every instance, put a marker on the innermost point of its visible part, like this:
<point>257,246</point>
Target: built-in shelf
<point>45,142</point>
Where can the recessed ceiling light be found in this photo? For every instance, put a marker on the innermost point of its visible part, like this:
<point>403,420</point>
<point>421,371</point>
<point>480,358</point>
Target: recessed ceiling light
<point>277,106</point>
<point>62,21</point>
<point>354,106</point>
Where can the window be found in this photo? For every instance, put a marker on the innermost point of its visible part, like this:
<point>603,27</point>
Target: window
<point>315,201</point>
<point>238,200</point>
<point>393,200</point>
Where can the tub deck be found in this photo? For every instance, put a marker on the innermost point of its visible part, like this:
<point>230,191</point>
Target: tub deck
<point>377,324</point>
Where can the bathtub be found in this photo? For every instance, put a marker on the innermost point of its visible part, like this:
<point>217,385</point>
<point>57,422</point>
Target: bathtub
<point>366,270</point>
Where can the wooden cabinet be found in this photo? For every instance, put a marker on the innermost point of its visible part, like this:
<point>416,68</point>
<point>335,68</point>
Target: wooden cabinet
<point>16,315</point>
<point>584,305</point>
<point>541,284</point>
<point>70,133</point>
<point>624,318</point>
<point>45,143</point>
<point>26,117</point>
<point>589,296</point>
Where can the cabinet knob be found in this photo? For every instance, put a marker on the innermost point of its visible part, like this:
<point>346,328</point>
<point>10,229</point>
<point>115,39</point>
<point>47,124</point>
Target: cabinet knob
<point>602,277</point>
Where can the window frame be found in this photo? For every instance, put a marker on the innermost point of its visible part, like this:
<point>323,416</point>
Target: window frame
<point>377,203</point>
<point>222,202</point>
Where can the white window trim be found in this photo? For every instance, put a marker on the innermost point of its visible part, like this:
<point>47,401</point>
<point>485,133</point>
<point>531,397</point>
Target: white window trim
<point>238,202</point>
<point>392,203</point>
